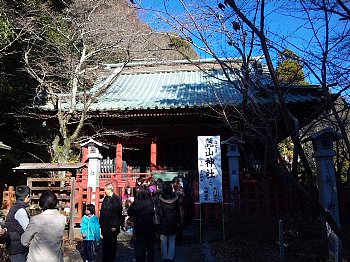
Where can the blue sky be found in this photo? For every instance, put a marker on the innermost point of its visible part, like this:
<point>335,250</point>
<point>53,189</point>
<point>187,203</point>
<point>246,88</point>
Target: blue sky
<point>289,30</point>
<point>276,21</point>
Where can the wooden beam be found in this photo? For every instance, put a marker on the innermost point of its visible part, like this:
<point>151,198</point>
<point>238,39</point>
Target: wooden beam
<point>50,188</point>
<point>48,179</point>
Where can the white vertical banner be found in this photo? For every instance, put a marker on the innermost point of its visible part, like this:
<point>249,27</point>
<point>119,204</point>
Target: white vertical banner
<point>209,169</point>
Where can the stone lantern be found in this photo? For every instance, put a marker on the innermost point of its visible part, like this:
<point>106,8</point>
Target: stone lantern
<point>94,157</point>
<point>326,180</point>
<point>233,155</point>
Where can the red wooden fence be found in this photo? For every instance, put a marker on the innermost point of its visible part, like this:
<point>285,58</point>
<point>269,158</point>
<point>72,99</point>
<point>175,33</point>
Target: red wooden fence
<point>269,197</point>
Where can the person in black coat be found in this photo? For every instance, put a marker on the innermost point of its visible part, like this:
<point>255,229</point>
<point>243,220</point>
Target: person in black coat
<point>169,221</point>
<point>138,184</point>
<point>179,191</point>
<point>17,221</point>
<point>110,222</point>
<point>143,210</point>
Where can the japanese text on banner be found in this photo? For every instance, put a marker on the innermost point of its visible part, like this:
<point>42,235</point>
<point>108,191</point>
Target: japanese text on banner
<point>209,169</point>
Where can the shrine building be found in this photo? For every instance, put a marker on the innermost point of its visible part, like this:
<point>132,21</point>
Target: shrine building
<point>158,111</point>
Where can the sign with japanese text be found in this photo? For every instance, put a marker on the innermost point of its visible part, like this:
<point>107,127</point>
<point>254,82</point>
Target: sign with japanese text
<point>209,169</point>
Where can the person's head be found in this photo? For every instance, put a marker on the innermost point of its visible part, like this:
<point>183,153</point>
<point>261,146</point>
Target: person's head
<point>90,209</point>
<point>139,181</point>
<point>151,181</point>
<point>48,200</point>
<point>167,188</point>
<point>23,193</point>
<point>127,190</point>
<point>178,189</point>
<point>175,180</point>
<point>109,189</point>
<point>160,184</point>
<point>143,192</point>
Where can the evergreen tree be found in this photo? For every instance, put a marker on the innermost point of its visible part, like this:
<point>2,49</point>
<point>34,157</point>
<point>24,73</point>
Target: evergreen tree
<point>290,69</point>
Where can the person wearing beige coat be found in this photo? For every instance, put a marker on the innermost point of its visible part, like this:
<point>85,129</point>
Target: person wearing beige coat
<point>44,233</point>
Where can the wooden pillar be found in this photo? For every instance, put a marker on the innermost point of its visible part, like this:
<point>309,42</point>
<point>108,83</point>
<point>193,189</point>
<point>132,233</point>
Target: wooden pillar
<point>80,204</point>
<point>130,182</point>
<point>72,210</point>
<point>119,158</point>
<point>89,195</point>
<point>153,156</point>
<point>97,199</point>
<point>85,154</point>
<point>115,184</point>
<point>84,172</point>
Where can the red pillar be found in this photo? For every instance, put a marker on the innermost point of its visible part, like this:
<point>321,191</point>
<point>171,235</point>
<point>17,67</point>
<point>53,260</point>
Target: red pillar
<point>84,159</point>
<point>119,158</point>
<point>88,195</point>
<point>97,201</point>
<point>85,153</point>
<point>153,156</point>
<point>80,204</point>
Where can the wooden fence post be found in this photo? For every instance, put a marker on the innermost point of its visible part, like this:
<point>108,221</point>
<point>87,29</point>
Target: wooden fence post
<point>88,196</point>
<point>72,210</point>
<point>80,203</point>
<point>97,199</point>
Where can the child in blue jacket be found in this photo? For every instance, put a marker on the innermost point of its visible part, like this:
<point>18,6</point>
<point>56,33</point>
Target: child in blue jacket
<point>90,230</point>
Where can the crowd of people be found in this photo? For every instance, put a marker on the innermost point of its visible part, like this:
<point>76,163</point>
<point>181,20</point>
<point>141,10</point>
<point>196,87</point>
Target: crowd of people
<point>39,238</point>
<point>166,200</point>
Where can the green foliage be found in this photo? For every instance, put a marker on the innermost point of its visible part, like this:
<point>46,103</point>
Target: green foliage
<point>290,70</point>
<point>26,4</point>
<point>286,148</point>
<point>51,27</point>
<point>6,31</point>
<point>179,43</point>
<point>183,46</point>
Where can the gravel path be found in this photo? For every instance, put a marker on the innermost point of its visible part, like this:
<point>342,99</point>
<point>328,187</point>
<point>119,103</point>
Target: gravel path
<point>193,252</point>
<point>184,253</point>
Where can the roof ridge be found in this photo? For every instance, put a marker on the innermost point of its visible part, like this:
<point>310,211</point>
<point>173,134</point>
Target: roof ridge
<point>136,63</point>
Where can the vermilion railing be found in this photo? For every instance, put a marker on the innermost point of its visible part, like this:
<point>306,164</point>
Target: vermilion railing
<point>268,196</point>
<point>119,181</point>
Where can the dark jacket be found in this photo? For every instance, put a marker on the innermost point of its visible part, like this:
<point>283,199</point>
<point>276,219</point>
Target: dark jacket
<point>170,214</point>
<point>111,215</point>
<point>15,230</point>
<point>142,210</point>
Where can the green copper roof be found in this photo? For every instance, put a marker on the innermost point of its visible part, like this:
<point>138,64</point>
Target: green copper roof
<point>166,90</point>
<point>177,89</point>
<point>181,85</point>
